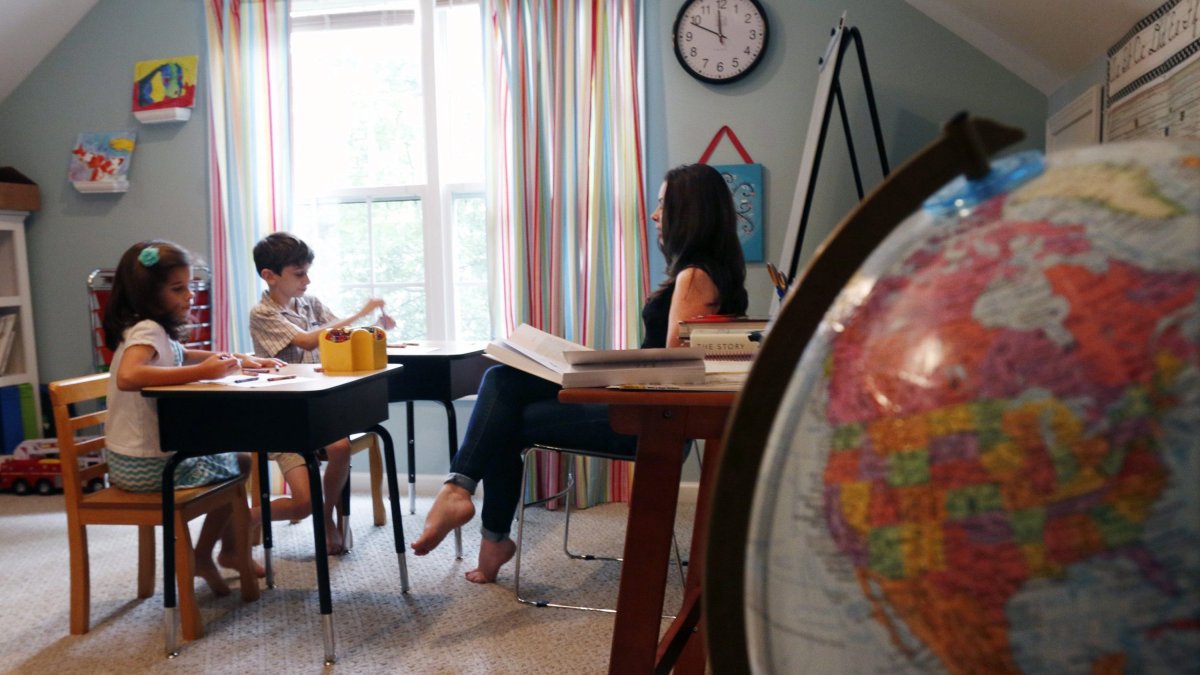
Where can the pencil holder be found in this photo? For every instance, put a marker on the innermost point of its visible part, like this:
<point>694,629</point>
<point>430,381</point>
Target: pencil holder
<point>380,346</point>
<point>337,355</point>
<point>362,345</point>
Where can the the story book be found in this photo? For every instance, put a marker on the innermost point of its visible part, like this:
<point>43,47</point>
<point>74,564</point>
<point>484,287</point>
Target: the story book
<point>572,365</point>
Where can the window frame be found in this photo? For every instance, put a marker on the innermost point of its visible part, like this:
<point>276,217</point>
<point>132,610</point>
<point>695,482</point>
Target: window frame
<point>436,198</point>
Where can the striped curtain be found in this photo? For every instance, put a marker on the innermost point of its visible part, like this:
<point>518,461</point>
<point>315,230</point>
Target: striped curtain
<point>249,151</point>
<point>565,179</point>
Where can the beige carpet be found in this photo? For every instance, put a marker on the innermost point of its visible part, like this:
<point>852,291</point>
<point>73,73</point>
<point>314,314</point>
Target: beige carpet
<point>443,625</point>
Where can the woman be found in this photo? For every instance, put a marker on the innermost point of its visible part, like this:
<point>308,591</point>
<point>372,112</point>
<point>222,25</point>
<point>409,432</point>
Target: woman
<point>706,274</point>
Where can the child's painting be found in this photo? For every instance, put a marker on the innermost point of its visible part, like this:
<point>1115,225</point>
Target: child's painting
<point>102,157</point>
<point>164,83</point>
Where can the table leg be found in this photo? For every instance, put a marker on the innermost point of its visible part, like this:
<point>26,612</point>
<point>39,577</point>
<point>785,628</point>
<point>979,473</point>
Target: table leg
<point>168,525</point>
<point>389,458</point>
<point>661,434</point>
<point>318,514</point>
<point>452,443</point>
<point>683,639</point>
<point>264,505</point>
<point>412,458</point>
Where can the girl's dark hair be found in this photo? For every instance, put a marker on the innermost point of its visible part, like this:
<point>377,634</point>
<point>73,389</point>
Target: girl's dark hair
<point>137,289</point>
<point>699,229</point>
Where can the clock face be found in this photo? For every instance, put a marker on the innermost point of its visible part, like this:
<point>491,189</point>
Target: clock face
<point>720,41</point>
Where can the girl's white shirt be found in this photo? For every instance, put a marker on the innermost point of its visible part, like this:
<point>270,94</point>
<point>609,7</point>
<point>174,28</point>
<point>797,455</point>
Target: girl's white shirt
<point>132,425</point>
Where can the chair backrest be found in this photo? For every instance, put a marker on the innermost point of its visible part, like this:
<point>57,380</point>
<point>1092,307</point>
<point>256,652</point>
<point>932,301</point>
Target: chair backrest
<point>85,393</point>
<point>199,335</point>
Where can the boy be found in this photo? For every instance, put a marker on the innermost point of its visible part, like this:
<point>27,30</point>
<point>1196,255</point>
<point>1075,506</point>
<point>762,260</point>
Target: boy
<point>286,324</point>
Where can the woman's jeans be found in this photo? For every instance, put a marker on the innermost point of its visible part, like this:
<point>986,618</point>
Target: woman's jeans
<point>513,411</point>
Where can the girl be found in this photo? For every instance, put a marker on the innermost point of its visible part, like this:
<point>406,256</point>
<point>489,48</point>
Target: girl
<point>146,315</point>
<point>706,274</point>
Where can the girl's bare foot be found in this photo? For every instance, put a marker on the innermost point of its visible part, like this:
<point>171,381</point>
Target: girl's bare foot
<point>452,508</point>
<point>206,570</point>
<point>492,556</point>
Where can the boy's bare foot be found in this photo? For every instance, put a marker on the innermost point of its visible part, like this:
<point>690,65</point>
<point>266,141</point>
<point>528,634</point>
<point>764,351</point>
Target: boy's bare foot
<point>206,570</point>
<point>231,562</point>
<point>333,540</point>
<point>452,508</point>
<point>492,555</point>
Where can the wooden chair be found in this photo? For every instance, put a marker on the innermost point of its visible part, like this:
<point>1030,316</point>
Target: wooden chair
<point>358,443</point>
<point>114,506</point>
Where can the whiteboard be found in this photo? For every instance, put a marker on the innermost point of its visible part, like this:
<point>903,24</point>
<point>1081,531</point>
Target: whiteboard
<point>812,139</point>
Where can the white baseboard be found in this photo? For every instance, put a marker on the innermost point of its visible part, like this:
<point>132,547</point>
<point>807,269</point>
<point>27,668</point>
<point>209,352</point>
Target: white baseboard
<point>429,484</point>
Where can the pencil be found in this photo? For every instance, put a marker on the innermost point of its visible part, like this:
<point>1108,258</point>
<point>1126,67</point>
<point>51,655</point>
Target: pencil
<point>281,377</point>
<point>246,379</point>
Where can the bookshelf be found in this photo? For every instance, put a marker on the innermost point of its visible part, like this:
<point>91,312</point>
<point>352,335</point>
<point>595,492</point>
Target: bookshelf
<point>15,299</point>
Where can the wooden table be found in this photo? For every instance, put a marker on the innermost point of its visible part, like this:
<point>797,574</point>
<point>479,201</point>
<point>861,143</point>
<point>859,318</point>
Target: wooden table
<point>663,421</point>
<point>301,417</point>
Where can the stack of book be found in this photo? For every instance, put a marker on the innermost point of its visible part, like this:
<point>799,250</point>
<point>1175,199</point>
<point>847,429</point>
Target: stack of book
<point>573,365</point>
<point>8,335</point>
<point>730,344</point>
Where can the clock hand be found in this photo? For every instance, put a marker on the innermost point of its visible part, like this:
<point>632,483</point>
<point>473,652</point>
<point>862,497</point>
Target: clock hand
<point>720,33</point>
<point>697,25</point>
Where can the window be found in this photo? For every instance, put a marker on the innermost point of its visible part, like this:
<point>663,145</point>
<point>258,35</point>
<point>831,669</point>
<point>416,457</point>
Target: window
<point>388,156</point>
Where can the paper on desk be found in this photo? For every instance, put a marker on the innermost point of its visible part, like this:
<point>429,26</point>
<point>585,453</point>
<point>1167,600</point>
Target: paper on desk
<point>256,383</point>
<point>414,349</point>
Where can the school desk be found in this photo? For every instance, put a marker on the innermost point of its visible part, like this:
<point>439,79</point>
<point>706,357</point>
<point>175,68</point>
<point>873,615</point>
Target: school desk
<point>300,415</point>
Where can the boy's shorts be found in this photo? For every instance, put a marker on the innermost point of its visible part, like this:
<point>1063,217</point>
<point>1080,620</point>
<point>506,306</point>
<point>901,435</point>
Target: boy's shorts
<point>287,460</point>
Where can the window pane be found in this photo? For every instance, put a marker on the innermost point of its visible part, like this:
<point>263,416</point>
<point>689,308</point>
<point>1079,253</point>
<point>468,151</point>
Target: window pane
<point>460,94</point>
<point>399,242</point>
<point>470,268</point>
<point>407,306</point>
<point>357,110</point>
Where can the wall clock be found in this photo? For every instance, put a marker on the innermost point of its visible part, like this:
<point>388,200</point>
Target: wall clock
<point>720,41</point>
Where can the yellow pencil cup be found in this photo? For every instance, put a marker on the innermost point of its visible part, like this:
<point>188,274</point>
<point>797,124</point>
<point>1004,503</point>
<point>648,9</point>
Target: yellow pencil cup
<point>337,355</point>
<point>362,345</point>
<point>379,350</point>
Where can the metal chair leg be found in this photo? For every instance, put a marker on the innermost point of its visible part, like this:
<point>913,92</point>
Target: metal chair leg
<point>565,494</point>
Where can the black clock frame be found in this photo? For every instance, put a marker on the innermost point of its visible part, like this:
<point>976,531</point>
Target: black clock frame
<point>762,53</point>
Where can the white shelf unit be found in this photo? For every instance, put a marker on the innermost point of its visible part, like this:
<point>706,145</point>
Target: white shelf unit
<point>15,298</point>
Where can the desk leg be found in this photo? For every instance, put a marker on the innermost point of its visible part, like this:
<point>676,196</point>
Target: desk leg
<point>683,639</point>
<point>412,458</point>
<point>389,458</point>
<point>661,434</point>
<point>264,505</point>
<point>168,526</point>
<point>452,429</point>
<point>318,514</point>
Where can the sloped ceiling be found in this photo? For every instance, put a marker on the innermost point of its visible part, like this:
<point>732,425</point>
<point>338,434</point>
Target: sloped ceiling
<point>1045,42</point>
<point>29,30</point>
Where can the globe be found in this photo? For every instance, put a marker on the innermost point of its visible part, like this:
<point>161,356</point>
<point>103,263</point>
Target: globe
<point>988,457</point>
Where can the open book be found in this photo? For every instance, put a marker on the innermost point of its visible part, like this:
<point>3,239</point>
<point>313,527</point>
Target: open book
<point>571,365</point>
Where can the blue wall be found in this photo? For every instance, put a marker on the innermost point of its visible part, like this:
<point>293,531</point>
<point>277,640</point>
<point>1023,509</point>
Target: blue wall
<point>922,75</point>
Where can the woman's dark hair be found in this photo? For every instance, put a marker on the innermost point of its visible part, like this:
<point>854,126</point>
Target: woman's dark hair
<point>137,289</point>
<point>699,229</point>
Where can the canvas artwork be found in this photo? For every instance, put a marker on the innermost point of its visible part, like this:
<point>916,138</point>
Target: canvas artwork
<point>164,83</point>
<point>102,158</point>
<point>745,183</point>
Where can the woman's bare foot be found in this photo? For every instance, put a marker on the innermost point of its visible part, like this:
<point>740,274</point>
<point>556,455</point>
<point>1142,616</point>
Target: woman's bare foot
<point>492,556</point>
<point>206,570</point>
<point>229,561</point>
<point>452,508</point>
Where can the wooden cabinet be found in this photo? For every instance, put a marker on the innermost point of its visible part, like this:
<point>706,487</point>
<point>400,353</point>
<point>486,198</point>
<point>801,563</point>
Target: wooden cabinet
<point>16,301</point>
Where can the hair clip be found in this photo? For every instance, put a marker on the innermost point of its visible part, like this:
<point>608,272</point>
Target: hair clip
<point>148,257</point>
